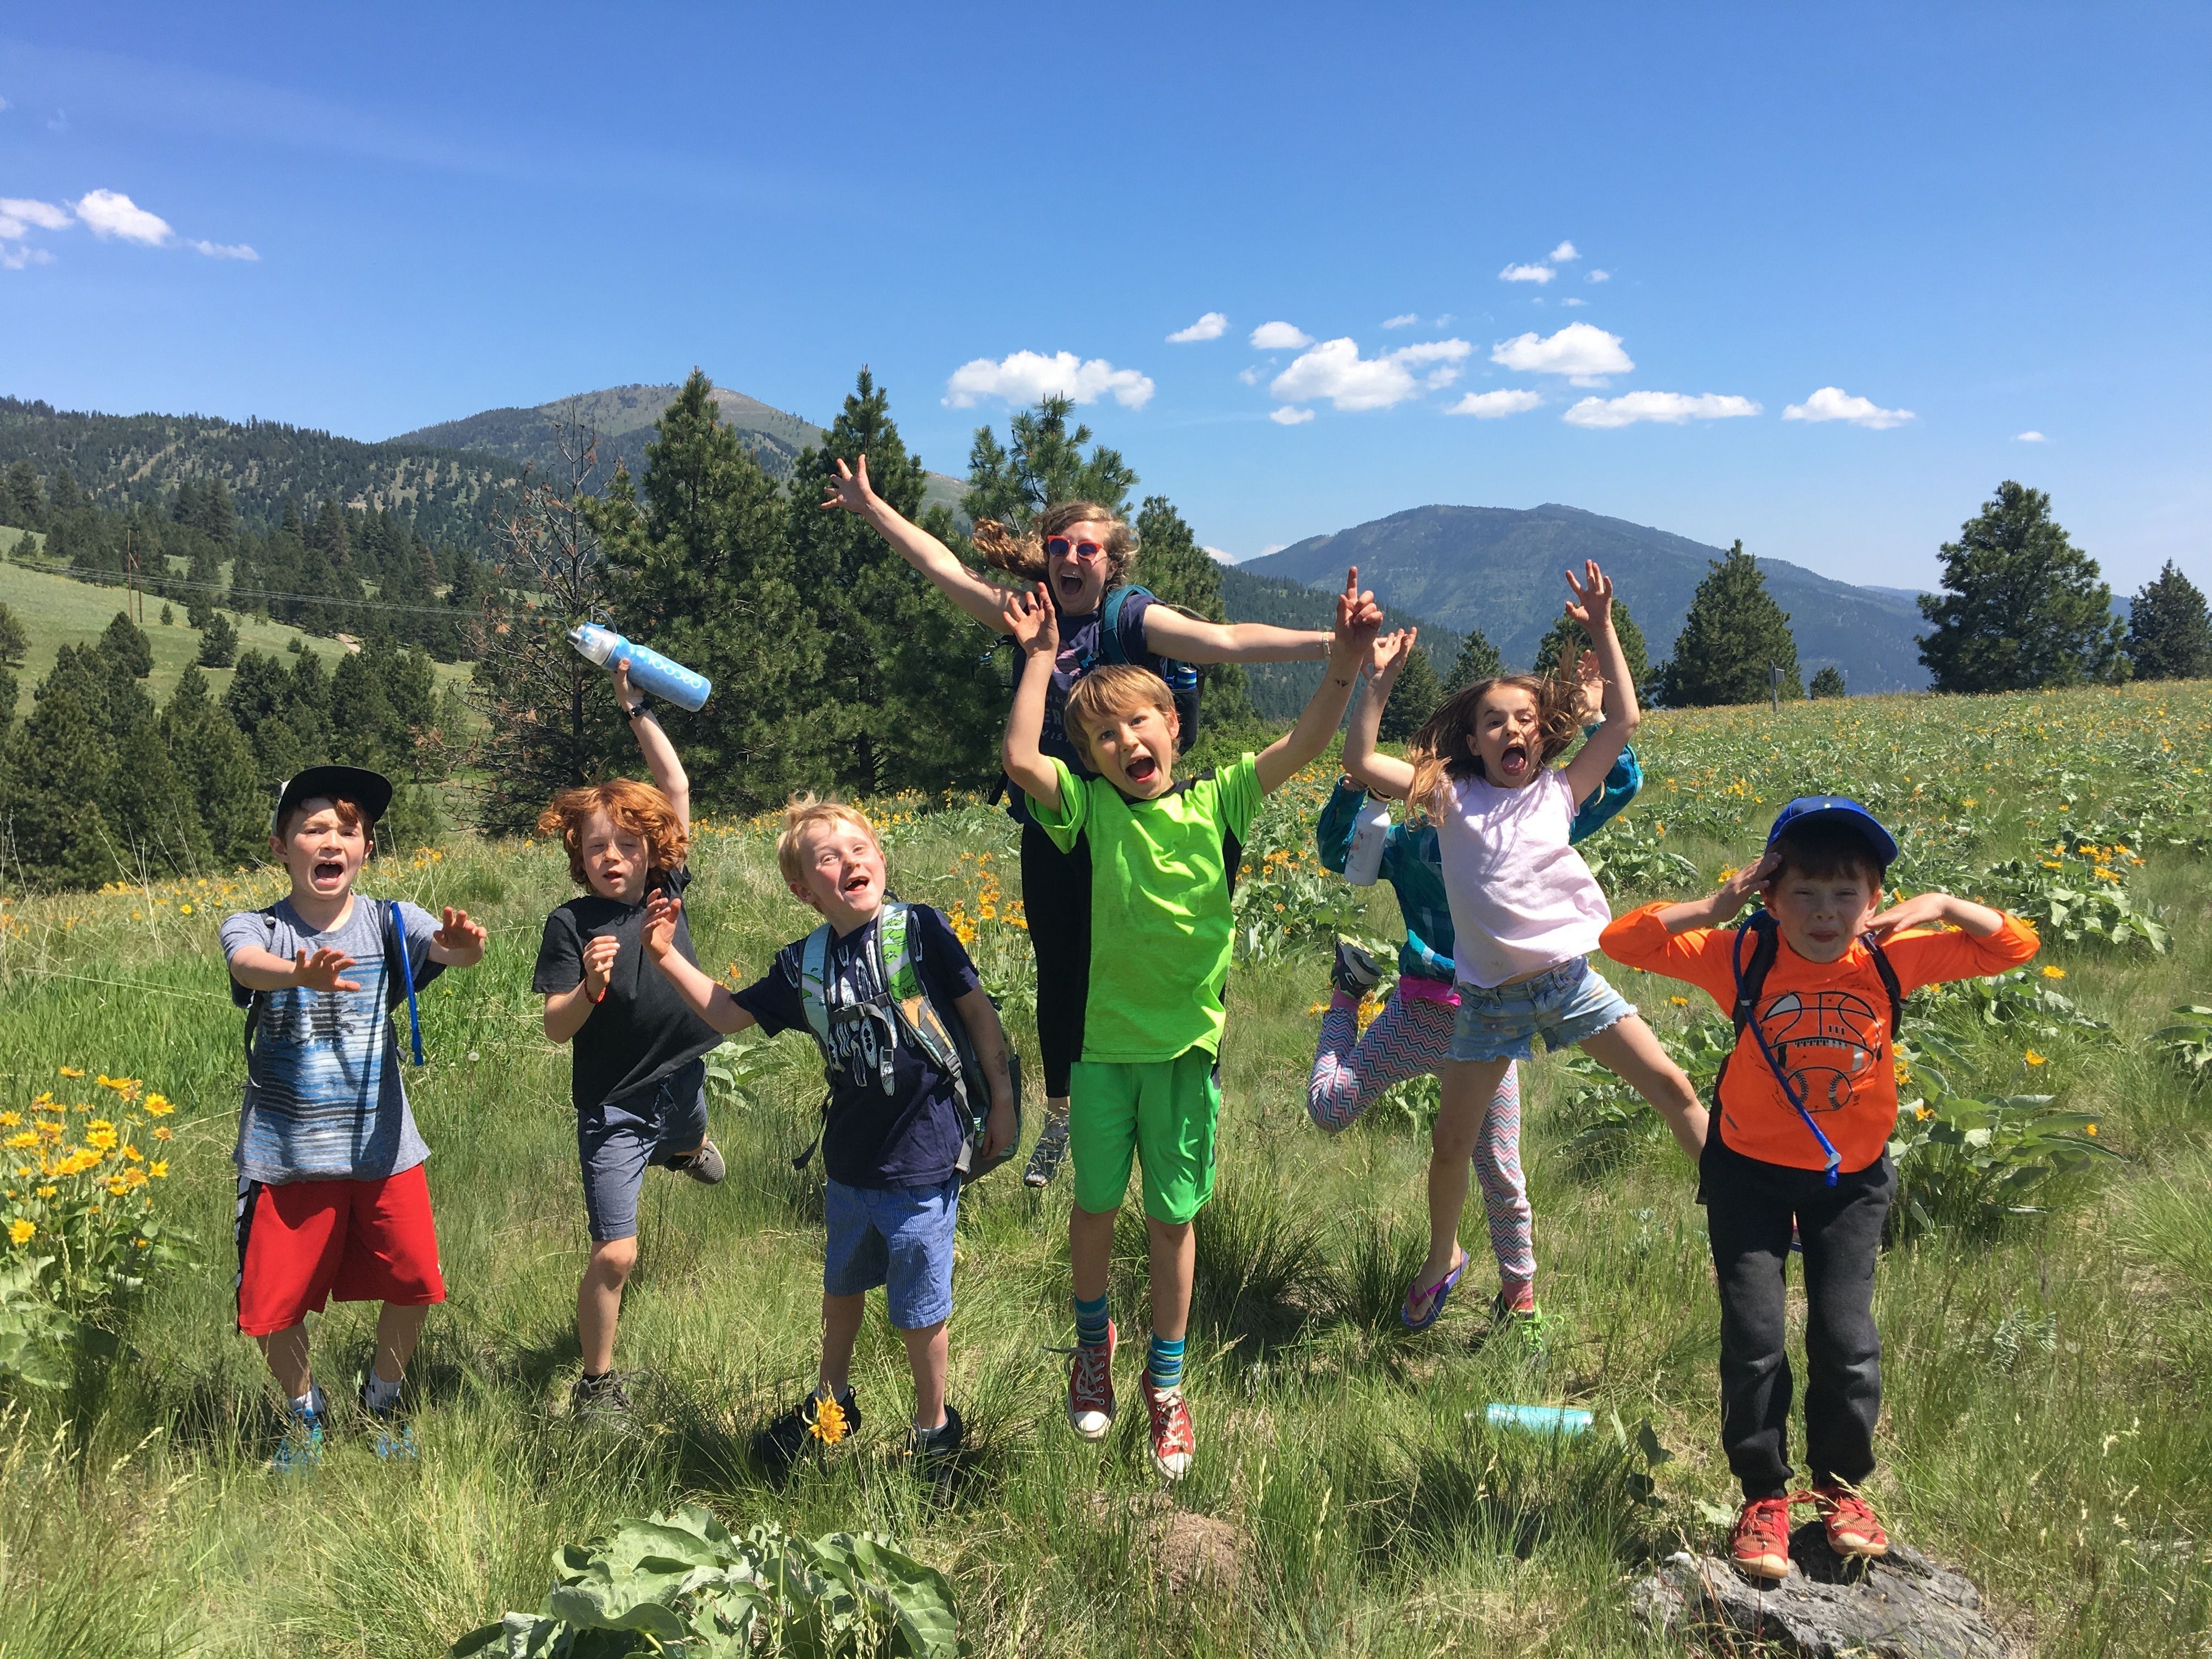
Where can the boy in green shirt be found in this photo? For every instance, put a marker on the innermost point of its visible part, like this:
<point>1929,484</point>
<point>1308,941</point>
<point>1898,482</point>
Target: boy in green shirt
<point>1162,860</point>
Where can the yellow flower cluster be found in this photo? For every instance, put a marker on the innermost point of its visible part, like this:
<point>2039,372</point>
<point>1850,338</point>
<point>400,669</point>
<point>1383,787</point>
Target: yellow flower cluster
<point>69,1178</point>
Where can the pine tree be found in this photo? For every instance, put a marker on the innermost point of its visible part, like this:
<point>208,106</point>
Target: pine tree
<point>218,643</point>
<point>1178,571</point>
<point>1478,660</point>
<point>168,617</point>
<point>1042,464</point>
<point>59,765</point>
<point>1734,635</point>
<point>1829,682</point>
<point>1566,642</point>
<point>126,642</point>
<point>216,762</point>
<point>2169,633</point>
<point>2022,607</point>
<point>1412,700</point>
<point>22,502</point>
<point>15,640</point>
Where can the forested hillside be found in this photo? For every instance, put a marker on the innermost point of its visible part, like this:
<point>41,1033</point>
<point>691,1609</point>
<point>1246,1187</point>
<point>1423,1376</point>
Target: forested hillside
<point>1279,689</point>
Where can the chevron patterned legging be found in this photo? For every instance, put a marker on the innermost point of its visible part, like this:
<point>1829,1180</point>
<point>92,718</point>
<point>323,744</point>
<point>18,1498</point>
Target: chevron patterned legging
<point>1412,1035</point>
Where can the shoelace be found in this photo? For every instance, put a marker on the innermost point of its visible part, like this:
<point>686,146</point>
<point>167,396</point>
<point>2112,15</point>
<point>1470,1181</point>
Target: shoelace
<point>1177,1433</point>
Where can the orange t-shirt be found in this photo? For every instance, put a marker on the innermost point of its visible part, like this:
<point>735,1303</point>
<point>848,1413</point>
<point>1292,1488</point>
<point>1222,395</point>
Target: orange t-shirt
<point>1827,1023</point>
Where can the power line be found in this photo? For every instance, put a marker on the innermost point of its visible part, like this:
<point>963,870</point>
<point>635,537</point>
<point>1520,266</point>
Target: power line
<point>111,579</point>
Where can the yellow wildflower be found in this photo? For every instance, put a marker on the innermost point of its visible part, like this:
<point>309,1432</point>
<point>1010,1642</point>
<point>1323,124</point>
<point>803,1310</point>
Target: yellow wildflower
<point>158,1169</point>
<point>161,1131</point>
<point>24,1141</point>
<point>21,1231</point>
<point>2034,1059</point>
<point>2054,973</point>
<point>829,1425</point>
<point>1679,1002</point>
<point>158,1106</point>
<point>9,1120</point>
<point>72,1070</point>
<point>47,1192</point>
<point>2090,1129</point>
<point>99,1135</point>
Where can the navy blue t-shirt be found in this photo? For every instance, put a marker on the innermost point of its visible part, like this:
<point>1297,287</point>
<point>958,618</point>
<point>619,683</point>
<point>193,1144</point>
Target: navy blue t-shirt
<point>1079,646</point>
<point>912,1135</point>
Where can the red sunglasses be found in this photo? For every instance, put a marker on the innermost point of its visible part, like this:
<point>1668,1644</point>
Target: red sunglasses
<point>1059,547</point>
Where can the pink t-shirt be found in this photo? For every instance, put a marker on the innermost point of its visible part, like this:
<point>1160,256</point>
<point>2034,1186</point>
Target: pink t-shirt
<point>1521,898</point>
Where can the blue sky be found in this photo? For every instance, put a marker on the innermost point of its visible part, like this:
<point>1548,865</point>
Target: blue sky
<point>1989,220</point>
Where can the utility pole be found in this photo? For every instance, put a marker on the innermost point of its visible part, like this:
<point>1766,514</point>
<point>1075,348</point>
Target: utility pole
<point>1774,685</point>
<point>134,602</point>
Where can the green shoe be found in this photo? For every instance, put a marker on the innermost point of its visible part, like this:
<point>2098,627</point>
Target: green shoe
<point>1527,1324</point>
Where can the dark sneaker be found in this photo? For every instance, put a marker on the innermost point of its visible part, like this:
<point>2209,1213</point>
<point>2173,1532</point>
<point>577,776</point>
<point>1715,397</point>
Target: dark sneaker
<point>933,1453</point>
<point>1356,972</point>
<point>814,1421</point>
<point>1051,1147</point>
<point>301,1448</point>
<point>1090,1387</point>
<point>1174,1441</point>
<point>1853,1530</point>
<point>704,1166</point>
<point>1759,1543</point>
<point>603,1396</point>
<point>393,1437</point>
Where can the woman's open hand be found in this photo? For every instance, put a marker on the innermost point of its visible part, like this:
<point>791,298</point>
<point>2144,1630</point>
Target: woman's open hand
<point>850,488</point>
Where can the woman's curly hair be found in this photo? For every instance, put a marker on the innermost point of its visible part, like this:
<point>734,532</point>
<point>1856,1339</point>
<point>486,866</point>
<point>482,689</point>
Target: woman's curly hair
<point>1023,555</point>
<point>1444,747</point>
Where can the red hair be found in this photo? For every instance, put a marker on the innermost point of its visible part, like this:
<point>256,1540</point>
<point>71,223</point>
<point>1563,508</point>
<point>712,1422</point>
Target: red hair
<point>637,807</point>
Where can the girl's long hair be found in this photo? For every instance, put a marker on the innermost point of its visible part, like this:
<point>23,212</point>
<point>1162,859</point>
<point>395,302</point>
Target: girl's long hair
<point>1444,747</point>
<point>1023,554</point>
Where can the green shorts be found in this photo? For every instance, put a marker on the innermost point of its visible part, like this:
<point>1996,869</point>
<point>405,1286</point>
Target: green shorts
<point>1163,1114</point>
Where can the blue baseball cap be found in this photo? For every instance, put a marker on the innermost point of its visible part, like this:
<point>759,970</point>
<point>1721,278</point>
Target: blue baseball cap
<point>1806,808</point>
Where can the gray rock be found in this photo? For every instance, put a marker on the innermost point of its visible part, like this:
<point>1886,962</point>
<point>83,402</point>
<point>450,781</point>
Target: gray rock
<point>1901,1607</point>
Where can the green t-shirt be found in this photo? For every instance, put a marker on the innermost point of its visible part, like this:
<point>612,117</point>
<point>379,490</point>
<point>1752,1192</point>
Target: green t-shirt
<point>1160,923</point>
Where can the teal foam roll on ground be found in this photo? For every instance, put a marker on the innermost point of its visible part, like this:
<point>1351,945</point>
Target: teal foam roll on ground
<point>1537,1419</point>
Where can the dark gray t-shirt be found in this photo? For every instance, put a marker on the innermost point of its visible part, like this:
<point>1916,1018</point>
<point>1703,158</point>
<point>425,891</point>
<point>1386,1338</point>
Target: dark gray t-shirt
<point>642,1030</point>
<point>323,1099</point>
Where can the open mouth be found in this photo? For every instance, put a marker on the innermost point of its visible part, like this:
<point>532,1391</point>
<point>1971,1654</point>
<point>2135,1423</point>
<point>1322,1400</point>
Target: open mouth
<point>856,884</point>
<point>1071,584</point>
<point>1141,769</point>
<point>329,870</point>
<point>1513,761</point>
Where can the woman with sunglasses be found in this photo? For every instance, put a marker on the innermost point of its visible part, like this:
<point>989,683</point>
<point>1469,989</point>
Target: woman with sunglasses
<point>1081,552</point>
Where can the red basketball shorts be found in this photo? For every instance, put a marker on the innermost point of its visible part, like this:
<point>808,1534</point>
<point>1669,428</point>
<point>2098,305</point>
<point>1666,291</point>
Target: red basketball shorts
<point>305,1243</point>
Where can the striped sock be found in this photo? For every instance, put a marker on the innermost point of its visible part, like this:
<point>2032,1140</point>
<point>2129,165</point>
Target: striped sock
<point>1091,1322</point>
<point>1165,1369</point>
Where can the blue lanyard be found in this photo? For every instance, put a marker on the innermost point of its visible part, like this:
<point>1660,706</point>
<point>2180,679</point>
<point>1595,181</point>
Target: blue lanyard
<point>1834,1159</point>
<point>407,973</point>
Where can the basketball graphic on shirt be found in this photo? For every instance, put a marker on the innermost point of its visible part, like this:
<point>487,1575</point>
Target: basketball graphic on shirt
<point>1826,1040</point>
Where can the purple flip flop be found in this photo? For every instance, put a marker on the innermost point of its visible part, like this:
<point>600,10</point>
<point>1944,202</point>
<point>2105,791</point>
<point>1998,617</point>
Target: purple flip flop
<point>1437,1294</point>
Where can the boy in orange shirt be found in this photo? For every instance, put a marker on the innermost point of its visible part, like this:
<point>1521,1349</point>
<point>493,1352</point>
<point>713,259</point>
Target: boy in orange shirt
<point>1803,1111</point>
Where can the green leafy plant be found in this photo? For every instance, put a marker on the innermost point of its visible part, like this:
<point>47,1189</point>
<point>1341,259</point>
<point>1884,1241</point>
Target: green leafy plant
<point>2188,1041</point>
<point>1626,858</point>
<point>685,1586</point>
<point>739,1070</point>
<point>2022,1003</point>
<point>2075,892</point>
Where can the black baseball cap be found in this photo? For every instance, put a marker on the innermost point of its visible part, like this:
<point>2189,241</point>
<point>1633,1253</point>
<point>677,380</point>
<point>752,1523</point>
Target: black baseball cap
<point>1806,808</point>
<point>370,791</point>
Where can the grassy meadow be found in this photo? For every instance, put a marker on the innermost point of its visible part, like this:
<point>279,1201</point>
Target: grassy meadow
<point>2044,1422</point>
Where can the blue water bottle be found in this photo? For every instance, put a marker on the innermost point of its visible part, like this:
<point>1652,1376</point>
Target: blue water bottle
<point>1537,1419</point>
<point>649,671</point>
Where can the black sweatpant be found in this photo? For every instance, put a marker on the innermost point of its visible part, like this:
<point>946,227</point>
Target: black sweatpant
<point>1056,900</point>
<point>1749,1205</point>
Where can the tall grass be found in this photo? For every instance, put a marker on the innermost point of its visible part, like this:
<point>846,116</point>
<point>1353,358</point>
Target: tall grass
<point>2044,1423</point>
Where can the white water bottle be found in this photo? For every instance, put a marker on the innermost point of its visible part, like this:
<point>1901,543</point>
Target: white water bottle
<point>649,671</point>
<point>1370,829</point>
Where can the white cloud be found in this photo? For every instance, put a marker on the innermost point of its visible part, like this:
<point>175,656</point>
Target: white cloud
<point>1445,321</point>
<point>1526,274</point>
<point>1495,405</point>
<point>1561,254</point>
<point>1279,337</point>
<point>14,259</point>
<point>224,250</point>
<point>1599,276</point>
<point>109,213</point>
<point>1026,376</point>
<point>1208,327</point>
<point>1287,416</point>
<point>1572,301</point>
<point>2030,438</point>
<point>1218,555</point>
<point>1403,320</point>
<point>1670,408</point>
<point>1334,369</point>
<point>18,213</point>
<point>1251,376</point>
<point>1583,352</point>
<point>1832,403</point>
<point>4,104</point>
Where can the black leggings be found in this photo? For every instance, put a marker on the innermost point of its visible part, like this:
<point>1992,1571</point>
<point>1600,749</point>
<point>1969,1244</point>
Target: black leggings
<point>1056,899</point>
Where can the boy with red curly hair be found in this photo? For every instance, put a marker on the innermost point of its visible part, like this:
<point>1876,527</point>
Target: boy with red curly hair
<point>639,1082</point>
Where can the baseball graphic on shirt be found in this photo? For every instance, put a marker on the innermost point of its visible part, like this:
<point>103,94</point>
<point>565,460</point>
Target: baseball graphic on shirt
<point>1826,1040</point>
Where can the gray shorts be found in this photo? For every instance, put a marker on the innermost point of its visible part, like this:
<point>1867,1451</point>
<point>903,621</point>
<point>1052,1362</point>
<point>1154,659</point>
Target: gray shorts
<point>616,1140</point>
<point>1567,1004</point>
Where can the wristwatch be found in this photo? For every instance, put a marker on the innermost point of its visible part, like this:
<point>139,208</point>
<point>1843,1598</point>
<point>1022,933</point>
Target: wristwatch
<point>631,711</point>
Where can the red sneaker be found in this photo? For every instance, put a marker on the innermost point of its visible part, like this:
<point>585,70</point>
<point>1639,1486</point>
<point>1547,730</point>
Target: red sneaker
<point>1091,1388</point>
<point>1853,1531</point>
<point>1760,1541</point>
<point>1174,1441</point>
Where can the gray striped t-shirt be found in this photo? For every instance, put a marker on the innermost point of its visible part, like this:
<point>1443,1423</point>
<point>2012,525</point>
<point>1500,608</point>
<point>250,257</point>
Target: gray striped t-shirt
<point>323,1099</point>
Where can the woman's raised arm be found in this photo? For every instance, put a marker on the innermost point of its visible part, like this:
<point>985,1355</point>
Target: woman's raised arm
<point>983,600</point>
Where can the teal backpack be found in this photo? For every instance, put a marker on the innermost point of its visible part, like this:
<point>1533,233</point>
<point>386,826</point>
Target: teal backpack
<point>905,1015</point>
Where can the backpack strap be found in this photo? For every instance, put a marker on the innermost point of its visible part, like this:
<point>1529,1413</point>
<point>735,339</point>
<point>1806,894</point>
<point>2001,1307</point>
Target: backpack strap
<point>901,979</point>
<point>1109,621</point>
<point>813,959</point>
<point>254,1001</point>
<point>1881,965</point>
<point>396,946</point>
<point>1750,980</point>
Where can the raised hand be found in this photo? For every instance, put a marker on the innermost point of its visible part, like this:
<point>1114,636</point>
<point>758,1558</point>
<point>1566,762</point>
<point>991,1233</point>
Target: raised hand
<point>1594,594</point>
<point>1032,620</point>
<point>1387,658</point>
<point>1591,680</point>
<point>850,490</point>
<point>659,936</point>
<point>1738,890</point>
<point>618,670</point>
<point>323,971</point>
<point>1921,910</point>
<point>459,935</point>
<point>1359,618</point>
<point>599,964</point>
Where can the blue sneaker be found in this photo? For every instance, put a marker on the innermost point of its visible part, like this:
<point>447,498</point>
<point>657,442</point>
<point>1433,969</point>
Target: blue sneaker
<point>301,1448</point>
<point>395,1436</point>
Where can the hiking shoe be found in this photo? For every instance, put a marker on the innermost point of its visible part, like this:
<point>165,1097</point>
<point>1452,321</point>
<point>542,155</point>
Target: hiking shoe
<point>1356,972</point>
<point>1526,1323</point>
<point>704,1166</point>
<point>1090,1386</point>
<point>1051,1147</point>
<point>1853,1531</point>
<point>301,1448</point>
<point>1759,1544</point>
<point>932,1453</point>
<point>603,1396</point>
<point>1174,1442</point>
<point>395,1437</point>
<point>814,1421</point>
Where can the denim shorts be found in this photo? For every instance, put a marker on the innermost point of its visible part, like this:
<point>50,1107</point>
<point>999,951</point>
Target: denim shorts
<point>617,1140</point>
<point>899,1237</point>
<point>1567,1004</point>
